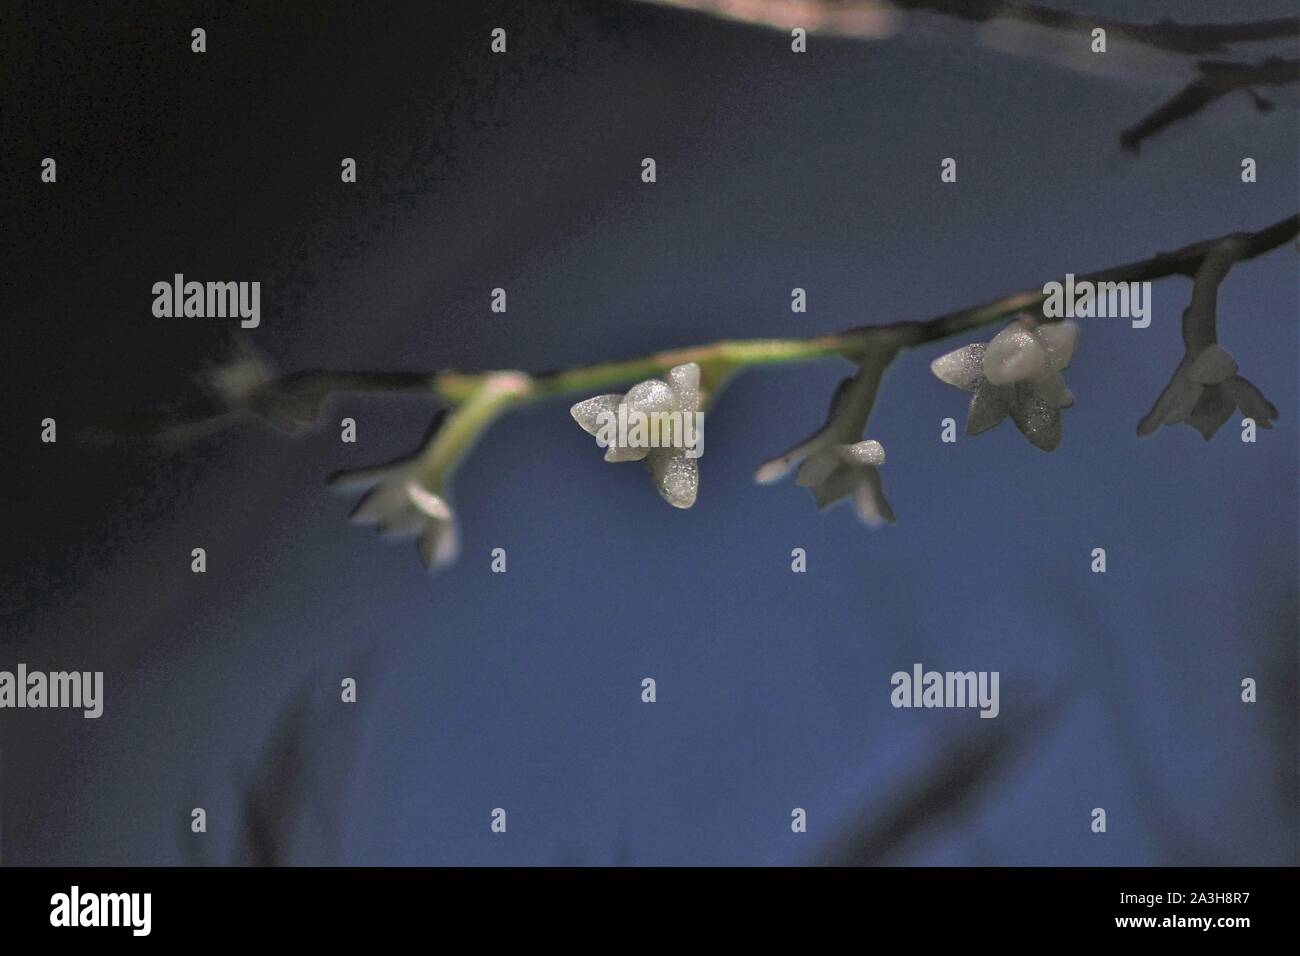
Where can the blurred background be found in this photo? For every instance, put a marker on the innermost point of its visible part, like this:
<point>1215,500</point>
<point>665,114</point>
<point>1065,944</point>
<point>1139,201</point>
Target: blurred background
<point>522,690</point>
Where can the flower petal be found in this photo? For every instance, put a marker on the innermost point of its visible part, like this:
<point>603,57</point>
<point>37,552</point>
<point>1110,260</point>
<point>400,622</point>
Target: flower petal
<point>963,368</point>
<point>1166,402</point>
<point>1037,420</point>
<point>1251,401</point>
<point>817,467</point>
<point>649,396</point>
<point>588,414</point>
<point>439,544</point>
<point>676,476</point>
<point>1212,366</point>
<point>988,407</point>
<point>685,382</point>
<point>1014,355</point>
<point>1059,338</point>
<point>843,481</point>
<point>1052,388</point>
<point>1183,401</point>
<point>426,501</point>
<point>1211,411</point>
<point>773,470</point>
<point>626,452</point>
<point>869,452</point>
<point>869,500</point>
<point>382,506</point>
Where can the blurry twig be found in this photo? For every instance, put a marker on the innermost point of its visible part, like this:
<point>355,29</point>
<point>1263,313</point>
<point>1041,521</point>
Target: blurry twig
<point>876,19</point>
<point>1216,79</point>
<point>293,790</point>
<point>866,18</point>
<point>964,767</point>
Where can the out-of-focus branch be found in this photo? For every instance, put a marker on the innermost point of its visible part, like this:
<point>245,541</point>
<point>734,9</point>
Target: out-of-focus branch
<point>1194,38</point>
<point>1040,31</point>
<point>873,18</point>
<point>1216,79</point>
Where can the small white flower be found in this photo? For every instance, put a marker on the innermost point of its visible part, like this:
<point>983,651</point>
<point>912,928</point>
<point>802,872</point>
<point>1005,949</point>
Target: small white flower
<point>1203,392</point>
<point>835,464</point>
<point>838,471</point>
<point>399,503</point>
<point>675,474</point>
<point>1017,374</point>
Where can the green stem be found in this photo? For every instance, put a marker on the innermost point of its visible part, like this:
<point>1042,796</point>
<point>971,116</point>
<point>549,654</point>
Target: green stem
<point>479,397</point>
<point>492,394</point>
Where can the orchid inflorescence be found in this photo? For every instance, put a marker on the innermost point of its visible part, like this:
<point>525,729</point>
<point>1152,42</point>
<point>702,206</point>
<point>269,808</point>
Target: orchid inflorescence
<point>1016,375</point>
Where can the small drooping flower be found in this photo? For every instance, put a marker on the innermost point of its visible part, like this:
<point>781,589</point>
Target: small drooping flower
<point>838,471</point>
<point>1017,374</point>
<point>399,502</point>
<point>1205,386</point>
<point>835,463</point>
<point>1203,392</point>
<point>673,462</point>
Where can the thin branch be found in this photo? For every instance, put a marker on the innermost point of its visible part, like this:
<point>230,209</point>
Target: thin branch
<point>1195,38</point>
<point>851,343</point>
<point>1217,79</point>
<point>870,18</point>
<point>308,389</point>
<point>1181,262</point>
<point>479,398</point>
<point>873,19</point>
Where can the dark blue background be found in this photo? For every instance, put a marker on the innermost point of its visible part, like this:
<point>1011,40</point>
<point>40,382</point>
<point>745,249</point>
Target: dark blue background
<point>521,690</point>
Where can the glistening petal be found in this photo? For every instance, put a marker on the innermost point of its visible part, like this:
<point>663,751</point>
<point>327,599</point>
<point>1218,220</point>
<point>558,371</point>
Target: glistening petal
<point>588,414</point>
<point>1014,355</point>
<point>1052,388</point>
<point>676,476</point>
<point>1059,338</point>
<point>963,368</point>
<point>649,396</point>
<point>989,406</point>
<point>685,382</point>
<point>867,452</point>
<point>1037,420</point>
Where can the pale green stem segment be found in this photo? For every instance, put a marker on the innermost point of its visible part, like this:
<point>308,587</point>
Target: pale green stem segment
<point>491,394</point>
<point>478,398</point>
